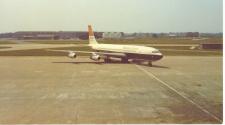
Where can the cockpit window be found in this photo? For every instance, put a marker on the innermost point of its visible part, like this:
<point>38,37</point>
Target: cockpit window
<point>155,51</point>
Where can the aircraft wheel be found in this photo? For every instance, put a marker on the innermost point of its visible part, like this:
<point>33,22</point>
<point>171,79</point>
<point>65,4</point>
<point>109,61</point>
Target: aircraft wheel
<point>150,63</point>
<point>125,60</point>
<point>107,60</point>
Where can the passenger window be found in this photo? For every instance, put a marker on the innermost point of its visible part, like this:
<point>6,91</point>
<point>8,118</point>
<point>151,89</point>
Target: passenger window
<point>155,51</point>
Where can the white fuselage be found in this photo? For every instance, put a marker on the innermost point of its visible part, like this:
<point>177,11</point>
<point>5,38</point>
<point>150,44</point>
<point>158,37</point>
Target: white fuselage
<point>132,50</point>
<point>125,52</point>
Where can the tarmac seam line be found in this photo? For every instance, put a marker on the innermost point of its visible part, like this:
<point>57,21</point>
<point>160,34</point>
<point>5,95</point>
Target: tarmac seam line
<point>183,96</point>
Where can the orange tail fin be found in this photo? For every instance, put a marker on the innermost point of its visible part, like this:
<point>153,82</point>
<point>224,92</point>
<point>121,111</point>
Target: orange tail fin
<point>90,31</point>
<point>92,39</point>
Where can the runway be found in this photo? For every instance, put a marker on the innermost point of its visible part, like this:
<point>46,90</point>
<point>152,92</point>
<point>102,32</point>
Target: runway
<point>177,89</point>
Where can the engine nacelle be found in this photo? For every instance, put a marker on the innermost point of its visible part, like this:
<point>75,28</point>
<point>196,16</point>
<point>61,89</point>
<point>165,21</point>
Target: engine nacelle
<point>72,55</point>
<point>95,57</point>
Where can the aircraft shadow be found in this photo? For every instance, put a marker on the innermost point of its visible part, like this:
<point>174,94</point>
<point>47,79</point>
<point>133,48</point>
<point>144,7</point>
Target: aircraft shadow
<point>153,66</point>
<point>116,62</point>
<point>81,62</point>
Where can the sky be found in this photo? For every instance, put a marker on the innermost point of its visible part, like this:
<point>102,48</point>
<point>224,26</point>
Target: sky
<point>112,15</point>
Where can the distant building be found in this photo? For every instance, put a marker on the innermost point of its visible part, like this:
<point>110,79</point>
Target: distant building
<point>6,35</point>
<point>216,46</point>
<point>192,34</point>
<point>30,35</point>
<point>116,35</point>
<point>76,35</point>
<point>142,35</point>
<point>49,35</point>
<point>172,35</point>
<point>155,35</point>
<point>211,34</point>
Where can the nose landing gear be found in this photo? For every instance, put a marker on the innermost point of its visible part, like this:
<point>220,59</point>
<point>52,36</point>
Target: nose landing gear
<point>150,63</point>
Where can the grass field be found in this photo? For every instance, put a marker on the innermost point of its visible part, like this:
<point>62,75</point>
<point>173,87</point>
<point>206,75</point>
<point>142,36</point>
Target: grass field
<point>166,50</point>
<point>6,42</point>
<point>4,47</point>
<point>170,51</point>
<point>161,41</point>
<point>135,41</point>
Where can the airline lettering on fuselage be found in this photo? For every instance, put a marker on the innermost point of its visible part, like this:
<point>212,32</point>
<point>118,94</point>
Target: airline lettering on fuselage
<point>126,48</point>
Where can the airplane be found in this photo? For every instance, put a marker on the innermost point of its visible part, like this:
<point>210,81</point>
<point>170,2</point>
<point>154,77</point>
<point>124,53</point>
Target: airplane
<point>124,52</point>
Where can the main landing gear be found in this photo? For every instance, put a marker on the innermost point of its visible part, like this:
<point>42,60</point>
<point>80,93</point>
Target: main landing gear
<point>107,60</point>
<point>124,60</point>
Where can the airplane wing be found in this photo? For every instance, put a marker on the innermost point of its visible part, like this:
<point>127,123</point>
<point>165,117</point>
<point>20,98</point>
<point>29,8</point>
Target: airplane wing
<point>88,52</point>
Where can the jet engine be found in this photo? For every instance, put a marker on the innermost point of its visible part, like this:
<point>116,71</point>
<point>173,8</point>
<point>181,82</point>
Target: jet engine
<point>95,57</point>
<point>72,55</point>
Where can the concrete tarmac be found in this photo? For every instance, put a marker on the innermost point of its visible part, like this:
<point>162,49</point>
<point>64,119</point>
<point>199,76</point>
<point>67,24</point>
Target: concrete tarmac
<point>61,90</point>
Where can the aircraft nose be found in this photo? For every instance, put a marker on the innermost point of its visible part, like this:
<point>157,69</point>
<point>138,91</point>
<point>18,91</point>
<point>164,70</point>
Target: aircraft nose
<point>159,57</point>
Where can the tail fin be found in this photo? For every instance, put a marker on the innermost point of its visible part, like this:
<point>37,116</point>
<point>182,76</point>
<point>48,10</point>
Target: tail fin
<point>92,39</point>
